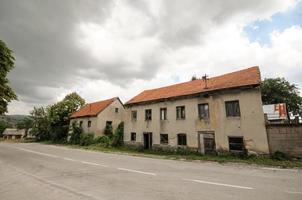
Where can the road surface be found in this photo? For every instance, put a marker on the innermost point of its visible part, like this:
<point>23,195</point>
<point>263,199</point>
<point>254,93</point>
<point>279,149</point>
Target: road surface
<point>31,171</point>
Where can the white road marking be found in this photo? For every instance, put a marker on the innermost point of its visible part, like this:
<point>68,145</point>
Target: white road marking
<point>39,153</point>
<point>136,171</point>
<point>219,184</point>
<point>293,192</point>
<point>92,163</point>
<point>69,159</point>
<point>278,169</point>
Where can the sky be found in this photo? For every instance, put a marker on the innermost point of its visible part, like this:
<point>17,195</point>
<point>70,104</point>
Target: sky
<point>101,49</point>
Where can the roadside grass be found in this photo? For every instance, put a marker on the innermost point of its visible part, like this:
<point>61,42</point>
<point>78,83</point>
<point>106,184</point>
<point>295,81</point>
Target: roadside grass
<point>191,156</point>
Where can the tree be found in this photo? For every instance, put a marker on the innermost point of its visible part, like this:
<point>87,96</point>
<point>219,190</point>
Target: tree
<point>59,115</point>
<point>278,90</point>
<point>6,64</point>
<point>40,126</point>
<point>26,124</point>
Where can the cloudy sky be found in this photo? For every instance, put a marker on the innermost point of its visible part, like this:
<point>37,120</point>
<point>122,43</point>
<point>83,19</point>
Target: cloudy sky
<point>108,48</point>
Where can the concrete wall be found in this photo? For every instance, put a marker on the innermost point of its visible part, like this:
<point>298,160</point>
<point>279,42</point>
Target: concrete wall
<point>286,138</point>
<point>250,124</point>
<point>98,123</point>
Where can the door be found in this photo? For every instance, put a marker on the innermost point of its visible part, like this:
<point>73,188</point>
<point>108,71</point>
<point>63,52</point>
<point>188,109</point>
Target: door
<point>147,140</point>
<point>206,142</point>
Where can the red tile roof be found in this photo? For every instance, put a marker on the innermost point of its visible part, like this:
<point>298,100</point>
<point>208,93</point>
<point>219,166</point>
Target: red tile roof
<point>246,77</point>
<point>93,109</point>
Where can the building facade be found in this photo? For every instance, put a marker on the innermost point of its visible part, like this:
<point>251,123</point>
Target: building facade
<point>223,113</point>
<point>94,117</point>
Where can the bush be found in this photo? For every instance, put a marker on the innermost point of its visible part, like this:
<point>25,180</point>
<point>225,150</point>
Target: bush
<point>86,139</point>
<point>278,155</point>
<point>75,135</point>
<point>103,140</point>
<point>108,130</point>
<point>117,139</point>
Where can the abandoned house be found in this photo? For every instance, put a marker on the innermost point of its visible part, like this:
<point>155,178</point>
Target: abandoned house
<point>13,133</point>
<point>222,113</point>
<point>94,117</point>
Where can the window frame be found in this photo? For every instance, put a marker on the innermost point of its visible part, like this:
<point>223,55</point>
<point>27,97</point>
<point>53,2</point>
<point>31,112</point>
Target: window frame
<point>89,123</point>
<point>132,115</point>
<point>182,112</point>
<point>133,136</point>
<point>148,117</point>
<point>232,112</point>
<point>116,110</point>
<point>199,111</point>
<point>161,139</point>
<point>236,143</point>
<point>183,141</point>
<point>81,124</point>
<point>164,116</point>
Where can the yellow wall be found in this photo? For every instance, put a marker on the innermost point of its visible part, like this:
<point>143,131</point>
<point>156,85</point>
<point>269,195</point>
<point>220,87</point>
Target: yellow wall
<point>250,124</point>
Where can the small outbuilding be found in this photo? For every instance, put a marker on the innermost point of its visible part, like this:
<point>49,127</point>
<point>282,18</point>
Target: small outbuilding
<point>12,133</point>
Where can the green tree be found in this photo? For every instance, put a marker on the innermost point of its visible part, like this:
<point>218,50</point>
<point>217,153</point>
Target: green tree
<point>26,124</point>
<point>279,90</point>
<point>6,64</point>
<point>40,126</point>
<point>59,115</point>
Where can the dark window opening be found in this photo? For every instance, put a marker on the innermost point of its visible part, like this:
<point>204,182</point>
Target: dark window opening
<point>182,139</point>
<point>236,144</point>
<point>203,111</point>
<point>164,138</point>
<point>163,113</point>
<point>232,108</point>
<point>89,124</point>
<point>81,124</point>
<point>116,110</point>
<point>134,115</point>
<point>148,114</point>
<point>180,112</point>
<point>133,136</point>
<point>108,123</point>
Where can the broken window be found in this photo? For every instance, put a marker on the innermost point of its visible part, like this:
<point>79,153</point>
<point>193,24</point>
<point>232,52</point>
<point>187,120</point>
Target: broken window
<point>89,124</point>
<point>148,114</point>
<point>81,123</point>
<point>182,139</point>
<point>180,112</point>
<point>164,139</point>
<point>236,144</point>
<point>203,111</point>
<point>232,108</point>
<point>163,113</point>
<point>133,136</point>
<point>116,110</point>
<point>134,115</point>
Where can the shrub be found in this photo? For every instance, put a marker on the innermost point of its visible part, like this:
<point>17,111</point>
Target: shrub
<point>278,155</point>
<point>75,135</point>
<point>108,129</point>
<point>117,139</point>
<point>103,140</point>
<point>86,139</point>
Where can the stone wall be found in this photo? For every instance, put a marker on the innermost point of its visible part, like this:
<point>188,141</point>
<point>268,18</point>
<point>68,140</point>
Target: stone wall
<point>286,138</point>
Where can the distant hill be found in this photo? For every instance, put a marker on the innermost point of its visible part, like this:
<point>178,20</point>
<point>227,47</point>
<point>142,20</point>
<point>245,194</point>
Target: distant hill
<point>12,119</point>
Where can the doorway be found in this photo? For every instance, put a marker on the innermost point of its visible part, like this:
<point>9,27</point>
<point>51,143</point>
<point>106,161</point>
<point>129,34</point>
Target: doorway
<point>147,140</point>
<point>206,142</point>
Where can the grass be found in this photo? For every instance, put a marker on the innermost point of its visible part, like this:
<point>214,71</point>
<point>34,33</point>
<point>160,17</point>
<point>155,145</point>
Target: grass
<point>196,157</point>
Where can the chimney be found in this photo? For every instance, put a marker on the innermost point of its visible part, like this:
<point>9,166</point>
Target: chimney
<point>205,78</point>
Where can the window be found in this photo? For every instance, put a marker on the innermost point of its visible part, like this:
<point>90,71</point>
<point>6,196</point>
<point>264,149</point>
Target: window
<point>148,114</point>
<point>163,113</point>
<point>182,139</point>
<point>81,123</point>
<point>180,112</point>
<point>203,111</point>
<point>133,136</point>
<point>232,108</point>
<point>236,144</point>
<point>108,123</point>
<point>134,115</point>
<point>89,124</point>
<point>164,139</point>
<point>116,110</point>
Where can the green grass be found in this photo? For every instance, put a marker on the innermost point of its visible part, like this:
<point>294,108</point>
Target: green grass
<point>228,158</point>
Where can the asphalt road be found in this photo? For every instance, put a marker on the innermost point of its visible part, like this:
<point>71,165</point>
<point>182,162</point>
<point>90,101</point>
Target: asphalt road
<point>34,171</point>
